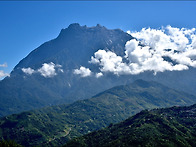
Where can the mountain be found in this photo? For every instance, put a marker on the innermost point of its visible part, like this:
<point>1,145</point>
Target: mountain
<point>57,124</point>
<point>159,127</point>
<point>46,76</point>
<point>72,48</point>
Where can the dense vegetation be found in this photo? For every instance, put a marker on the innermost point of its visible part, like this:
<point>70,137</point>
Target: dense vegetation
<point>174,126</point>
<point>58,124</point>
<point>9,143</point>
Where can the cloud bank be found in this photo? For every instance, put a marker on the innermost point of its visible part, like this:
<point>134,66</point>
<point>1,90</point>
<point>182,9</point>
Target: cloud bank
<point>47,70</point>
<point>177,44</point>
<point>164,49</point>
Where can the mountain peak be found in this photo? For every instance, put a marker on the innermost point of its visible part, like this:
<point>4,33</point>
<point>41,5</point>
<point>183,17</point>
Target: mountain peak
<point>98,25</point>
<point>77,26</point>
<point>74,25</point>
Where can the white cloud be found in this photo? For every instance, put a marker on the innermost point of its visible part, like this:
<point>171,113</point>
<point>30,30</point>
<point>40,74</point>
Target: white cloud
<point>47,70</point>
<point>182,43</point>
<point>109,62</point>
<point>167,38</point>
<point>148,59</point>
<point>3,65</point>
<point>136,53</point>
<point>166,49</point>
<point>100,74</point>
<point>140,59</point>
<point>84,72</point>
<point>28,70</point>
<point>3,74</point>
<point>155,39</point>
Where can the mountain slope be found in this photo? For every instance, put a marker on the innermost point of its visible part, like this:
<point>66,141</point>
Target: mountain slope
<point>58,124</point>
<point>72,48</point>
<point>159,127</point>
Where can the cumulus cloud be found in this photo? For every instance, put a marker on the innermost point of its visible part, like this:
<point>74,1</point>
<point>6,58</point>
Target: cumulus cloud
<point>28,70</point>
<point>83,71</point>
<point>167,38</point>
<point>108,61</point>
<point>175,43</point>
<point>100,74</point>
<point>47,70</point>
<point>148,59</point>
<point>164,49</point>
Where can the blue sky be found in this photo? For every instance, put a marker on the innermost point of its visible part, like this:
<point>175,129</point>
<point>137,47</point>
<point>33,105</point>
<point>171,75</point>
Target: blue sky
<point>26,25</point>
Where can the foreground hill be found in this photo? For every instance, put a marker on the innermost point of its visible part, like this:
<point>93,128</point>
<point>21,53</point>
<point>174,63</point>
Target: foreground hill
<point>58,124</point>
<point>174,126</point>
